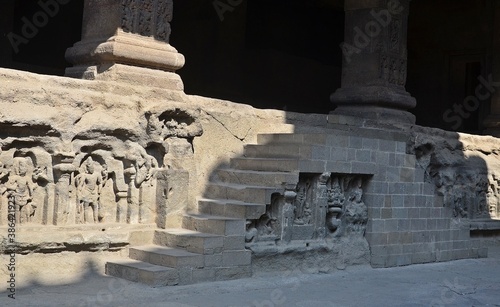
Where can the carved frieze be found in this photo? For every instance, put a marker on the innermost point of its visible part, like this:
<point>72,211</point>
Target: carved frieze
<point>395,29</point>
<point>148,18</point>
<point>468,193</point>
<point>393,69</point>
<point>319,207</point>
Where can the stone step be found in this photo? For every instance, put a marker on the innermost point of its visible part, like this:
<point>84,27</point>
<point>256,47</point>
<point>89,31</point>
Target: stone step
<point>265,164</point>
<point>231,208</point>
<point>291,138</point>
<point>240,192</point>
<point>143,272</point>
<point>190,240</point>
<point>218,225</point>
<point>166,256</point>
<point>255,178</point>
<point>287,151</point>
<point>280,150</point>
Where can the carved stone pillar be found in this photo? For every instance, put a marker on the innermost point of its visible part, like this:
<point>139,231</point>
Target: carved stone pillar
<point>132,197</point>
<point>64,210</point>
<point>375,62</point>
<point>121,206</point>
<point>127,40</point>
<point>321,199</point>
<point>288,214</point>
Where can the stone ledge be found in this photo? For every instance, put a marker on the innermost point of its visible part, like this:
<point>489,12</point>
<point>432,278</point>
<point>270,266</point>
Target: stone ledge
<point>485,225</point>
<point>55,239</point>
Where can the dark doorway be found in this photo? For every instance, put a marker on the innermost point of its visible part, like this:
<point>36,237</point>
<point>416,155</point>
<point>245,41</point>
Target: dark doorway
<point>35,34</point>
<point>279,54</point>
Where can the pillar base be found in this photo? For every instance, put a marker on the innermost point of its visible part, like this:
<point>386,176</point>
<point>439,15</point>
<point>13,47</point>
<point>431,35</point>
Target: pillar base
<point>127,74</point>
<point>374,96</point>
<point>379,103</point>
<point>129,58</point>
<point>371,116</point>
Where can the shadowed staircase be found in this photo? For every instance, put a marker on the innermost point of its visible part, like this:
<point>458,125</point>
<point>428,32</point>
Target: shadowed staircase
<point>210,246</point>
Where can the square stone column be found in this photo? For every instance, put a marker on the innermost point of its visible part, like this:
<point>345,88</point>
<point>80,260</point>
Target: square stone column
<point>127,40</point>
<point>375,62</point>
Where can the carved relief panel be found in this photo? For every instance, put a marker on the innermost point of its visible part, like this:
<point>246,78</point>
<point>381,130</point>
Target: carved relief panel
<point>148,18</point>
<point>468,193</point>
<point>319,207</point>
<point>25,180</point>
<point>95,178</point>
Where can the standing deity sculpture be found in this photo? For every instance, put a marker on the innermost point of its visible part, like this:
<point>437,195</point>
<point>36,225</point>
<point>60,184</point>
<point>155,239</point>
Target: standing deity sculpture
<point>356,212</point>
<point>19,187</point>
<point>300,204</point>
<point>89,184</point>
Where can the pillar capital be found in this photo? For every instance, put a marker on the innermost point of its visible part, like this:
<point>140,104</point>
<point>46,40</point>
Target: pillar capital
<point>127,40</point>
<point>374,64</point>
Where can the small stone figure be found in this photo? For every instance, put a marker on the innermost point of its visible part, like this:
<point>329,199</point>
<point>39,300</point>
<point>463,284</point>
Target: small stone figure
<point>251,231</point>
<point>300,203</point>
<point>356,212</point>
<point>459,205</point>
<point>481,194</point>
<point>492,201</point>
<point>20,188</point>
<point>336,201</point>
<point>88,189</point>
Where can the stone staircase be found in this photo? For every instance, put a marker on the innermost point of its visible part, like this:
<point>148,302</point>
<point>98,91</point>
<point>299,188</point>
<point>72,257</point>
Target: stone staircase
<point>210,246</point>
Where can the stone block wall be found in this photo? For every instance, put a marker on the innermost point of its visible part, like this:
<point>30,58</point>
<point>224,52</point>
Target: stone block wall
<point>408,220</point>
<point>423,188</point>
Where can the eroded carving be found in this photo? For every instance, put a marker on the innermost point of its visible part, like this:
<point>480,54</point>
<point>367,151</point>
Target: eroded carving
<point>19,188</point>
<point>147,18</point>
<point>89,183</point>
<point>393,69</point>
<point>468,193</point>
<point>319,207</point>
<point>395,32</point>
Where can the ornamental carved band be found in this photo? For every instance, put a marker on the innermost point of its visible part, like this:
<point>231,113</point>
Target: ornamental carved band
<point>148,18</point>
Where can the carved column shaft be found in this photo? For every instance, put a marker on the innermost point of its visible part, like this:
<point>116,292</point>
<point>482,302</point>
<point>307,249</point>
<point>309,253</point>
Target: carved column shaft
<point>321,199</point>
<point>375,61</point>
<point>132,197</point>
<point>288,215</point>
<point>121,207</point>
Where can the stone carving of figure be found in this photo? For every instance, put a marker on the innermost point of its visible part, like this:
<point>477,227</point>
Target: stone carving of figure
<point>288,216</point>
<point>356,213</point>
<point>88,189</point>
<point>20,188</point>
<point>336,201</point>
<point>144,164</point>
<point>459,205</point>
<point>300,204</point>
<point>492,200</point>
<point>481,194</point>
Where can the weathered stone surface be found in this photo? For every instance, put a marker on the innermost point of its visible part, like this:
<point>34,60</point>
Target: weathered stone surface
<point>138,137</point>
<point>127,41</point>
